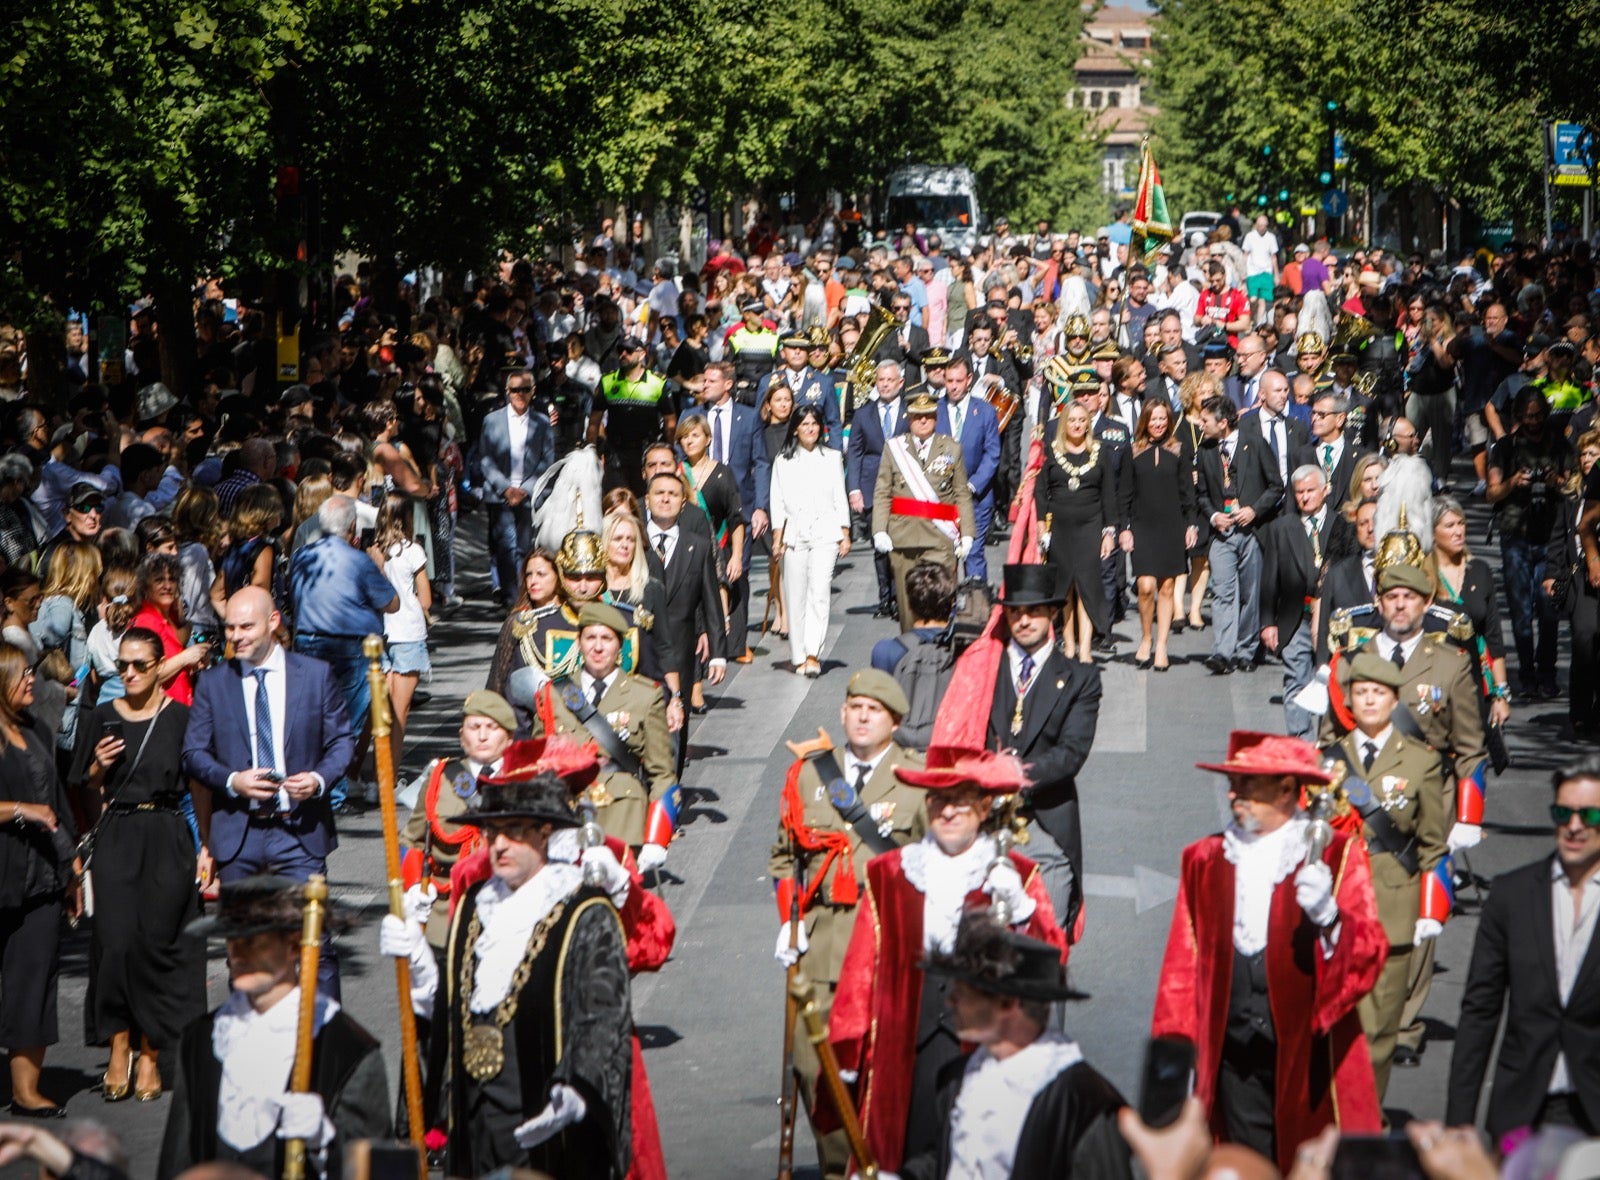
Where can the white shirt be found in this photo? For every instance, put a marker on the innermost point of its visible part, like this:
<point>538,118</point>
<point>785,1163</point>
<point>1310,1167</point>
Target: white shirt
<point>401,564</point>
<point>853,766</point>
<point>256,1052</point>
<point>1260,861</point>
<point>995,1097</point>
<point>1409,646</point>
<point>944,882</point>
<point>517,432</point>
<point>1014,656</point>
<point>1128,411</point>
<point>277,697</point>
<point>587,683</point>
<point>888,415</point>
<point>1573,934</point>
<point>958,416</point>
<point>666,548</point>
<point>1276,433</point>
<point>1329,459</point>
<point>1185,300</point>
<point>1260,250</point>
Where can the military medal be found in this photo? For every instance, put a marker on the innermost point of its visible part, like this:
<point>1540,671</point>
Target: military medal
<point>483,1051</point>
<point>466,785</point>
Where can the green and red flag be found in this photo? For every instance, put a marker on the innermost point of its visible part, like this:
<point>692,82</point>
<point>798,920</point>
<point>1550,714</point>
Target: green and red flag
<point>1152,224</point>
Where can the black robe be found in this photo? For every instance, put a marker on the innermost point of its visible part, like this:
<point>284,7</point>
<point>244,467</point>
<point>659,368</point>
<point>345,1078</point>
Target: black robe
<point>346,1069</point>
<point>573,1026</point>
<point>1070,1130</point>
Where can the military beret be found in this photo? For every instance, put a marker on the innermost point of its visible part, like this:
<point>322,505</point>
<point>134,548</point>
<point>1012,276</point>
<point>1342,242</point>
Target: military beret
<point>602,614</point>
<point>881,687</point>
<point>1369,665</point>
<point>1401,576</point>
<point>483,703</point>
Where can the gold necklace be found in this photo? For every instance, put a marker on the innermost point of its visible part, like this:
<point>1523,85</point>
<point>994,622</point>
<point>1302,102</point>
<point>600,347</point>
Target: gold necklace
<point>483,1046</point>
<point>1075,474</point>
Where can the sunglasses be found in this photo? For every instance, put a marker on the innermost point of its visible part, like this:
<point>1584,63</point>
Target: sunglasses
<point>1561,815</point>
<point>140,666</point>
<point>89,506</point>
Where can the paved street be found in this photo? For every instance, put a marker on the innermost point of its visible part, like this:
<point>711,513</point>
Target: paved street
<point>712,1018</point>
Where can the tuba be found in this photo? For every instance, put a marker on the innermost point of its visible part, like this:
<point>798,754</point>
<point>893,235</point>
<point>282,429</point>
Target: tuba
<point>859,366</point>
<point>1354,331</point>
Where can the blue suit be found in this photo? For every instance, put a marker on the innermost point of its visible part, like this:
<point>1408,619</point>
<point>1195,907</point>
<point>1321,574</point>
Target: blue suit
<point>862,459</point>
<point>816,388</point>
<point>316,737</point>
<point>980,452</point>
<point>511,529</point>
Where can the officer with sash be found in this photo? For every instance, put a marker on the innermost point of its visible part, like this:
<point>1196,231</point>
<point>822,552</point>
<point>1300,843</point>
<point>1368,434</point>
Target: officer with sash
<point>840,808</point>
<point>810,387</point>
<point>1395,790</point>
<point>636,797</point>
<point>921,505</point>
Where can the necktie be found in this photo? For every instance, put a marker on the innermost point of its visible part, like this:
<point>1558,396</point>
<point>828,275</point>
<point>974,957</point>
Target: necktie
<point>1327,458</point>
<point>1316,542</point>
<point>888,421</point>
<point>862,771</point>
<point>1025,675</point>
<point>1250,392</point>
<point>1272,438</point>
<point>957,415</point>
<point>597,692</point>
<point>661,546</point>
<point>716,434</point>
<point>1398,655</point>
<point>1369,754</point>
<point>265,759</point>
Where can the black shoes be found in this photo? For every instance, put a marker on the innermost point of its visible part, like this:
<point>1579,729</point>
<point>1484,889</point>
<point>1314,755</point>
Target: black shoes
<point>1218,666</point>
<point>1244,665</point>
<point>1406,1057</point>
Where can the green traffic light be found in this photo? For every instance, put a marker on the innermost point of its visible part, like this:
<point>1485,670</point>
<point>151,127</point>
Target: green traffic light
<point>1324,177</point>
<point>1332,106</point>
<point>1261,198</point>
<point>1283,194</point>
<point>1266,149</point>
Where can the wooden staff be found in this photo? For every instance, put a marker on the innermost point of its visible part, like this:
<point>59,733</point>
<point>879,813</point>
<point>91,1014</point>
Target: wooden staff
<point>316,895</point>
<point>817,1030</point>
<point>383,757</point>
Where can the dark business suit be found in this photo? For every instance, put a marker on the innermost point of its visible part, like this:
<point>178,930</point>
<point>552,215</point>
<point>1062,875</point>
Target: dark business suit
<point>316,737</point>
<point>1059,718</point>
<point>511,529</point>
<point>1295,435</point>
<point>1514,966</point>
<point>1291,576</point>
<point>1251,480</point>
<point>862,459</point>
<point>746,457</point>
<point>693,603</point>
<point>815,389</point>
<point>905,344</point>
<point>1344,467</point>
<point>980,454</point>
<point>1002,365</point>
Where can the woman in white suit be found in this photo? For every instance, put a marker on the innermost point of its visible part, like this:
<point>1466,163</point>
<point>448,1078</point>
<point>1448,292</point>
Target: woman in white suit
<point>811,529</point>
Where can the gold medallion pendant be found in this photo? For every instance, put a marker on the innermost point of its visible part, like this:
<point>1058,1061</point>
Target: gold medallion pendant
<point>483,1051</point>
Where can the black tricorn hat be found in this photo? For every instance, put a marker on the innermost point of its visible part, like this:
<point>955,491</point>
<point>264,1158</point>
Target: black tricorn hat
<point>258,904</point>
<point>544,798</point>
<point>1002,962</point>
<point>1032,584</point>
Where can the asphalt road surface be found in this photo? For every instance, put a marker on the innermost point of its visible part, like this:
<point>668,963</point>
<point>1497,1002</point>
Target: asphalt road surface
<point>711,1020</point>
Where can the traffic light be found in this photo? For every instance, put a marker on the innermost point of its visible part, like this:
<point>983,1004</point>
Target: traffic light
<point>1266,149</point>
<point>1331,106</point>
<point>1283,194</point>
<point>1324,178</point>
<point>1261,199</point>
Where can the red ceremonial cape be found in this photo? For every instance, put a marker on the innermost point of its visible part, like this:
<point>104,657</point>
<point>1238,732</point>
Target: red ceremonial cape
<point>647,923</point>
<point>873,1025</point>
<point>1324,1069</point>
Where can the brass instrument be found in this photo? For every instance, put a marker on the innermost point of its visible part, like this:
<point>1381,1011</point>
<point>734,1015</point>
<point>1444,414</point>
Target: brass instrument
<point>860,367</point>
<point>316,896</point>
<point>1353,331</point>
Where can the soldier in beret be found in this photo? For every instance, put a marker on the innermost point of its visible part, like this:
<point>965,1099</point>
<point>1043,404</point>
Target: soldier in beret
<point>840,809</point>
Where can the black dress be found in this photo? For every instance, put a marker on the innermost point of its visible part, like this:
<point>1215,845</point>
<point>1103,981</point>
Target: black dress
<point>1476,599</point>
<point>1158,504</point>
<point>718,498</point>
<point>145,977</point>
<point>1079,516</point>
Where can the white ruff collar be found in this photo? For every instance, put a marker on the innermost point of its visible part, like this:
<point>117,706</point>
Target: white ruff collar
<point>507,918</point>
<point>994,1101</point>
<point>1260,861</point>
<point>256,1050</point>
<point>944,882</point>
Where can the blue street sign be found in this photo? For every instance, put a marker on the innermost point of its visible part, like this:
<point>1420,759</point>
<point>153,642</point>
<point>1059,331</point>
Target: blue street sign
<point>1335,203</point>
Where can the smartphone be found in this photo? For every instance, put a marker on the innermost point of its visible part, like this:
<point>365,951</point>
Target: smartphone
<point>113,729</point>
<point>380,1159</point>
<point>275,776</point>
<point>1168,1080</point>
<point>1376,1157</point>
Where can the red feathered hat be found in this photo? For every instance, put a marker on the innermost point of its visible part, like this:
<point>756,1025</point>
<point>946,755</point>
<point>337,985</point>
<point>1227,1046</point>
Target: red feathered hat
<point>577,763</point>
<point>952,766</point>
<point>1270,753</point>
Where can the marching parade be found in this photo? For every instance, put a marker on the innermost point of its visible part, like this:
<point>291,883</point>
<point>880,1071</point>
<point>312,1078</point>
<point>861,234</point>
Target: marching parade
<point>1091,642</point>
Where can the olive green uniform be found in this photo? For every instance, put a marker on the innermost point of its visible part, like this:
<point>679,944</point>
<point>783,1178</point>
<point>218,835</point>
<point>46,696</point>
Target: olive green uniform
<point>915,538</point>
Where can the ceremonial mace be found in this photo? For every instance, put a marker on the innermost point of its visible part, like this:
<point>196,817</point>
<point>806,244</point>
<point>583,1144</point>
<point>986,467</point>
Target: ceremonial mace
<point>316,895</point>
<point>383,758</point>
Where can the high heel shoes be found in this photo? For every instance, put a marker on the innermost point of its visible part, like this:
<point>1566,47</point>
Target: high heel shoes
<point>116,1093</point>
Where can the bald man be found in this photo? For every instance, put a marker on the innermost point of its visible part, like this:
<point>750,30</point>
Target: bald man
<point>268,734</point>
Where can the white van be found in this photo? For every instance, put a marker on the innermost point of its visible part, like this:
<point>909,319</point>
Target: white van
<point>936,198</point>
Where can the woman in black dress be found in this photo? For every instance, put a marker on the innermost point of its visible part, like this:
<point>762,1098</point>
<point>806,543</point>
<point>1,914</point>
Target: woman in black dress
<point>38,881</point>
<point>1193,392</point>
<point>714,489</point>
<point>1077,505</point>
<point>1158,524</point>
<point>1466,583</point>
<point>146,980</point>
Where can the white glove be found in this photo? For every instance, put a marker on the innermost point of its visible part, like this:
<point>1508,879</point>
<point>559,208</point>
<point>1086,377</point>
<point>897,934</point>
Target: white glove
<point>566,1107</point>
<point>786,954</point>
<point>300,1116</point>
<point>400,939</point>
<point>1044,542</point>
<point>882,543</point>
<point>1464,836</point>
<point>418,903</point>
<point>1004,883</point>
<point>615,880</point>
<point>1313,889</point>
<point>850,1077</point>
<point>1426,930</point>
<point>396,937</point>
<point>651,858</point>
<point>963,547</point>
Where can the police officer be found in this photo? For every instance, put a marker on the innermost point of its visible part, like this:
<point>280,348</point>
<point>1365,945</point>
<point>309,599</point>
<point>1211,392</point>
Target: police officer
<point>631,410</point>
<point>752,347</point>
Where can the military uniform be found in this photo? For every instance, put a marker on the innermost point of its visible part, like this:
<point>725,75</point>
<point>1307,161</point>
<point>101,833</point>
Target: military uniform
<point>435,837</point>
<point>897,510</point>
<point>825,880</point>
<point>634,708</point>
<point>1406,783</point>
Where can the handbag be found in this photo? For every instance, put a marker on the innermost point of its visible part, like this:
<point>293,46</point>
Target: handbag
<point>86,844</point>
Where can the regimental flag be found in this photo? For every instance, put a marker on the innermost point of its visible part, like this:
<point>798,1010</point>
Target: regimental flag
<point>1152,224</point>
